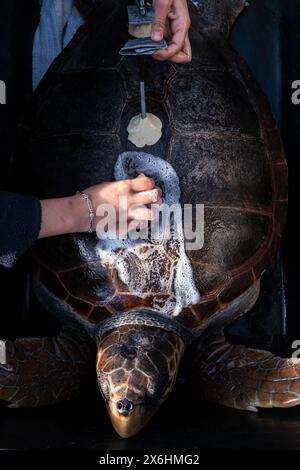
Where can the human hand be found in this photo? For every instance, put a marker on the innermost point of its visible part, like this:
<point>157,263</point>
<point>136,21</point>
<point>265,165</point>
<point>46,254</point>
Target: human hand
<point>172,20</point>
<point>126,201</point>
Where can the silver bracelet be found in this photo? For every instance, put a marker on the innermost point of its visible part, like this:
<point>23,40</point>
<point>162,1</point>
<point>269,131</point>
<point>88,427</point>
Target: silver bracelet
<point>92,213</point>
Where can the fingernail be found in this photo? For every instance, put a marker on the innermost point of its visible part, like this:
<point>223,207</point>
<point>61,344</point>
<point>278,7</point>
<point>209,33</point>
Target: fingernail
<point>156,35</point>
<point>141,175</point>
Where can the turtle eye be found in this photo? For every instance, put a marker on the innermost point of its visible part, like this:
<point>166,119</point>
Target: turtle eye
<point>157,389</point>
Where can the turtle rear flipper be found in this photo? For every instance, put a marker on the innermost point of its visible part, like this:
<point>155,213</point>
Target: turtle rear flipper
<point>244,378</point>
<point>44,371</point>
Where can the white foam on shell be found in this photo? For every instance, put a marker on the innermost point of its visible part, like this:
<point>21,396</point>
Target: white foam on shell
<point>146,267</point>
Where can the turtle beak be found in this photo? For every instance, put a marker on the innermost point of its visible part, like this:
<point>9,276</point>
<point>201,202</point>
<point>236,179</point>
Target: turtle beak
<point>136,369</point>
<point>128,423</point>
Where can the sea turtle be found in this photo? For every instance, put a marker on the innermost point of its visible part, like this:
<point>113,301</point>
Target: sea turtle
<point>142,304</point>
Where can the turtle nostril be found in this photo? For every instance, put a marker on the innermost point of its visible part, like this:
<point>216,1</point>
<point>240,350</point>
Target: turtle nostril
<point>129,406</point>
<point>125,406</point>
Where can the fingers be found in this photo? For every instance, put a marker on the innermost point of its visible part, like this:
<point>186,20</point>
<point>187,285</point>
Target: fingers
<point>176,27</point>
<point>141,213</point>
<point>147,197</point>
<point>144,193</point>
<point>162,9</point>
<point>185,55</point>
<point>142,183</point>
<point>179,49</point>
<point>142,190</point>
<point>144,213</point>
<point>176,54</point>
<point>131,200</point>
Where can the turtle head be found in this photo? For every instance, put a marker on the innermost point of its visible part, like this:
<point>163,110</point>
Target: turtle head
<point>136,368</point>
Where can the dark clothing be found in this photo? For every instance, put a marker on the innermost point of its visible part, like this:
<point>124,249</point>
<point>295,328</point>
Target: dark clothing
<point>20,216</point>
<point>20,221</point>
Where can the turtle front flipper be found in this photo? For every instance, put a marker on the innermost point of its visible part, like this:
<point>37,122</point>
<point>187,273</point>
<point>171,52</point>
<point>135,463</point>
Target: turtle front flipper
<point>44,371</point>
<point>243,378</point>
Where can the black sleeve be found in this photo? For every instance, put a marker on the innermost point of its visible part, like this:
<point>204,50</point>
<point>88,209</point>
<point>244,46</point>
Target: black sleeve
<point>20,222</point>
<point>20,216</point>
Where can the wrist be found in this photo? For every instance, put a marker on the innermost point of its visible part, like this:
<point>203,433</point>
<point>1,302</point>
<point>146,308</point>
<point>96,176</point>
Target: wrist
<point>79,215</point>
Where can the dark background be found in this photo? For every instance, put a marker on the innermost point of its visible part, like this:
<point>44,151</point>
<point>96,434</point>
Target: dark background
<point>267,36</point>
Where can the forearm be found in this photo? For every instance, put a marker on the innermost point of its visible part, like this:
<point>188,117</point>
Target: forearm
<point>71,214</point>
<point>64,215</point>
